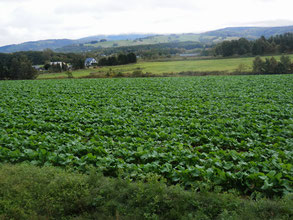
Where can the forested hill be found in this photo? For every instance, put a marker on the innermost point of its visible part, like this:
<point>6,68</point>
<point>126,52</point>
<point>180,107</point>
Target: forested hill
<point>249,32</point>
<point>59,43</point>
<point>104,41</point>
<point>36,45</point>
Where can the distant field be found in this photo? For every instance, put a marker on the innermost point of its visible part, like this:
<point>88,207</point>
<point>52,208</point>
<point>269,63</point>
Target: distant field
<point>228,65</point>
<point>148,40</point>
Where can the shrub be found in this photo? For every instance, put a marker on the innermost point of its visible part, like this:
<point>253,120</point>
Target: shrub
<point>272,66</point>
<point>29,192</point>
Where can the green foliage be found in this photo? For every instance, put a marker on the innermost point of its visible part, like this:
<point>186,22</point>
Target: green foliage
<point>78,62</point>
<point>69,74</point>
<point>16,67</point>
<point>120,60</point>
<point>19,65</point>
<point>171,68</point>
<point>275,44</point>
<point>137,73</point>
<point>229,48</point>
<point>272,66</point>
<point>260,46</point>
<point>242,68</point>
<point>258,65</point>
<point>285,65</point>
<point>29,192</point>
<point>208,133</point>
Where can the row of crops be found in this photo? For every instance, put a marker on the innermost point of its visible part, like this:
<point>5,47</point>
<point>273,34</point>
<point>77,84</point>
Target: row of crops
<point>212,133</point>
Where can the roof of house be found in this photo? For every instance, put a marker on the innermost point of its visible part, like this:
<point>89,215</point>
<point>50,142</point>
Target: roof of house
<point>90,60</point>
<point>56,62</point>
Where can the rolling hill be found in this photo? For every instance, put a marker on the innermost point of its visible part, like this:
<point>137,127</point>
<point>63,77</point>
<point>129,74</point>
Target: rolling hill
<point>249,32</point>
<point>106,41</point>
<point>59,43</point>
<point>36,45</point>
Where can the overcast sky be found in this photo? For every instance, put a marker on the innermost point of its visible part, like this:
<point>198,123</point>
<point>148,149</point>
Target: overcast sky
<point>26,20</point>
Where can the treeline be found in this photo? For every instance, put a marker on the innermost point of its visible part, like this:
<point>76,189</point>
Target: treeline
<point>19,65</point>
<point>275,44</point>
<point>42,57</point>
<point>15,67</point>
<point>121,59</point>
<point>272,66</point>
<point>155,51</point>
<point>147,52</point>
<point>188,45</point>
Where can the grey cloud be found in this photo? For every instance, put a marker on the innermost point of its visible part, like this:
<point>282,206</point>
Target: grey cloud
<point>91,7</point>
<point>269,23</point>
<point>21,20</point>
<point>8,1</point>
<point>32,20</point>
<point>177,4</point>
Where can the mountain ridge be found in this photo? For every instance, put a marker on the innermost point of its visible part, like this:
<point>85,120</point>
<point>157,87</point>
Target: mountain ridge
<point>98,41</point>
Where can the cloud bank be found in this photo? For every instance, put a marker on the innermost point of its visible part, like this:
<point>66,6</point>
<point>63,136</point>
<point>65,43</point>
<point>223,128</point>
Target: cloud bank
<point>25,20</point>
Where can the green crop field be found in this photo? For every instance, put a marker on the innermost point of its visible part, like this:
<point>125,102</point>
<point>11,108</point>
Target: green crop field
<point>210,133</point>
<point>229,65</point>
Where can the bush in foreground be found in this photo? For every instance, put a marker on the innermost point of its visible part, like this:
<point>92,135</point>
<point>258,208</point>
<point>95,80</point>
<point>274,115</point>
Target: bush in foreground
<point>29,192</point>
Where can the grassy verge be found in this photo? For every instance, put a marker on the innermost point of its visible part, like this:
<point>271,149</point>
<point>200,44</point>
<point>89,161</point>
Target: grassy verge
<point>228,65</point>
<point>29,192</point>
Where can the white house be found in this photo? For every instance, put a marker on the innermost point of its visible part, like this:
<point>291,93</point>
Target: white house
<point>56,63</point>
<point>90,62</point>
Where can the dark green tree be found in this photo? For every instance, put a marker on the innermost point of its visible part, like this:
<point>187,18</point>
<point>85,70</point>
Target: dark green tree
<point>244,46</point>
<point>21,68</point>
<point>131,58</point>
<point>286,63</point>
<point>258,65</point>
<point>78,63</point>
<point>271,66</point>
<point>112,61</point>
<point>122,59</point>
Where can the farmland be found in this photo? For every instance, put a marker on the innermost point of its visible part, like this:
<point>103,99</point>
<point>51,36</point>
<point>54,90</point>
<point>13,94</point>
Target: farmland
<point>159,68</point>
<point>209,133</point>
<point>151,40</point>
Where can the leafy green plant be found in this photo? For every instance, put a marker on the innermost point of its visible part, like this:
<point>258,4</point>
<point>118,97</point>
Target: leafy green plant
<point>30,192</point>
<point>206,133</point>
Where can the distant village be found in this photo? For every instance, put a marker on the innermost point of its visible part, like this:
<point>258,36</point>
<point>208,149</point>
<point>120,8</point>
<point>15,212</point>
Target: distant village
<point>60,65</point>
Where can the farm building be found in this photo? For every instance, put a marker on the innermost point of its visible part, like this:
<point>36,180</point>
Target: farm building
<point>57,63</point>
<point>90,62</point>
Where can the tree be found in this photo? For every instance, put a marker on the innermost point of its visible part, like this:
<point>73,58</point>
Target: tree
<point>47,66</point>
<point>285,62</point>
<point>241,68</point>
<point>21,68</point>
<point>244,46</point>
<point>77,63</point>
<point>271,66</point>
<point>122,59</point>
<point>258,65</point>
<point>47,54</point>
<point>227,49</point>
<point>258,47</point>
<point>102,62</point>
<point>131,58</point>
<point>284,66</point>
<point>112,61</point>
